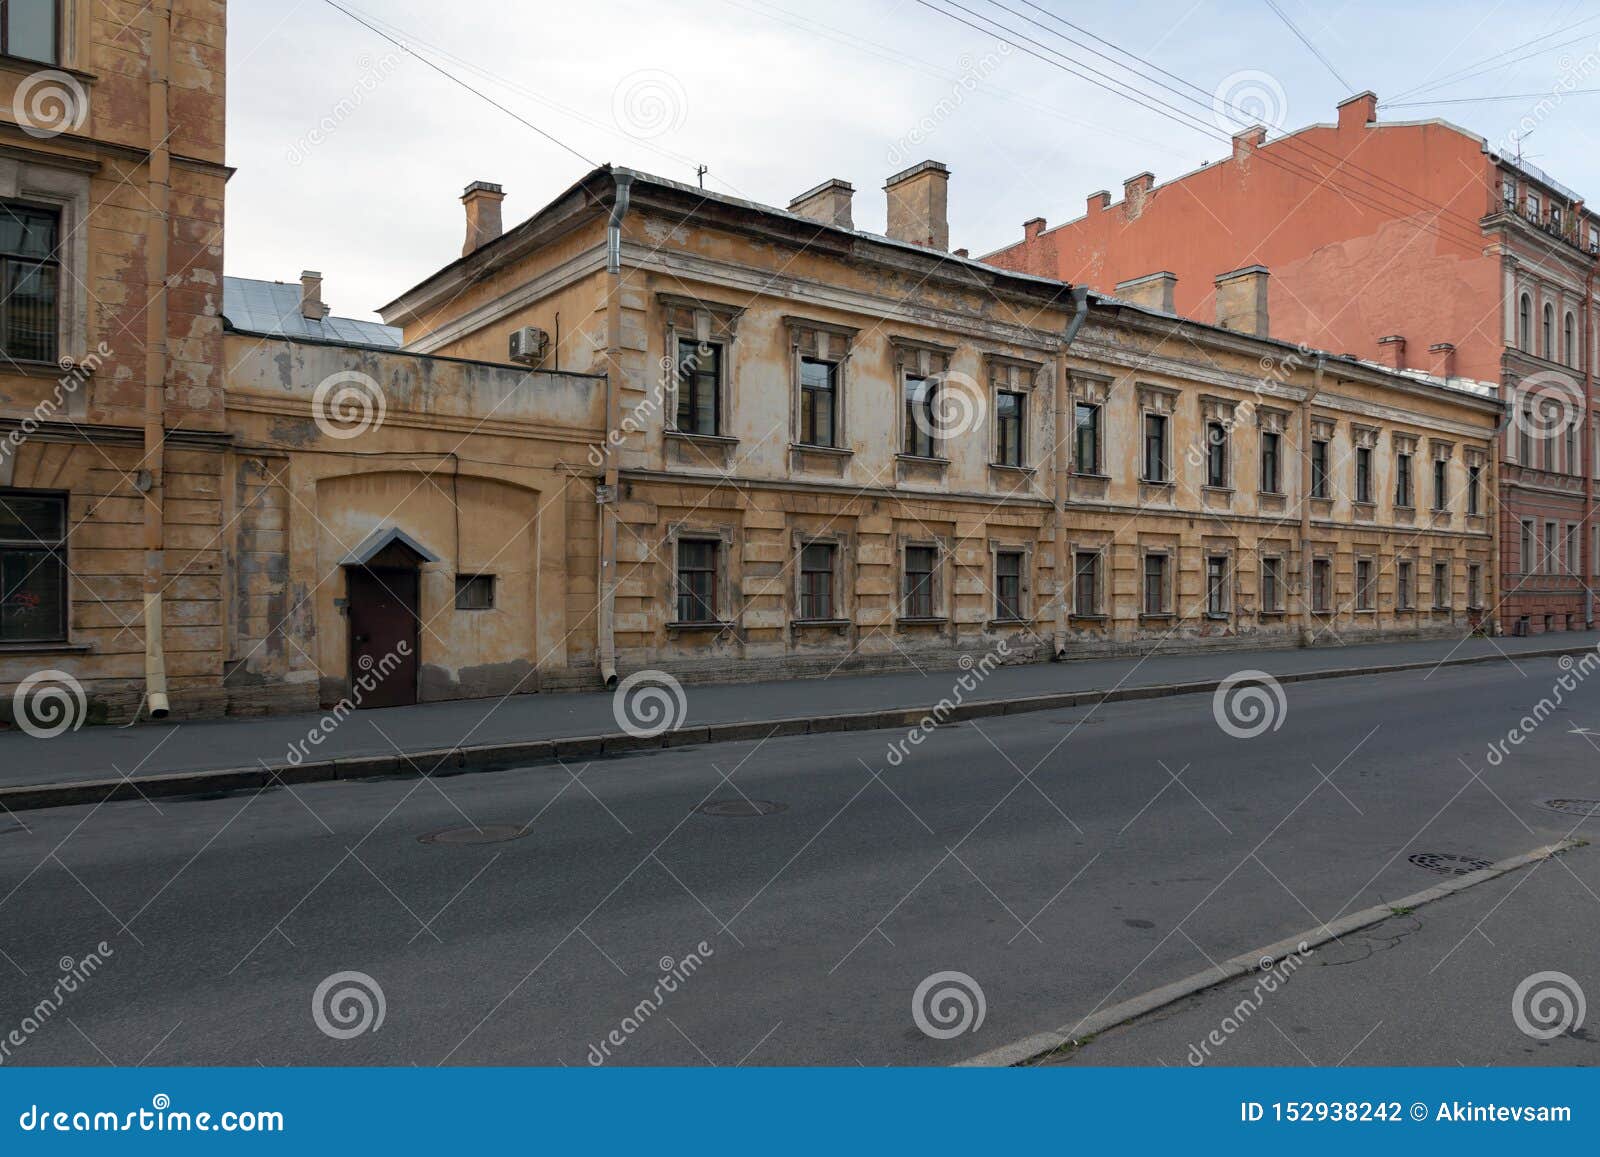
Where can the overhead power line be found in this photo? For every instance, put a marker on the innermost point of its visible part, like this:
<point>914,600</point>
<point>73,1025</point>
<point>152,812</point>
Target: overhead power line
<point>1315,51</point>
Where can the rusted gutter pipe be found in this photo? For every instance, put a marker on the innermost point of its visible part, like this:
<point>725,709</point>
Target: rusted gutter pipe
<point>158,193</point>
<point>606,624</point>
<point>1063,467</point>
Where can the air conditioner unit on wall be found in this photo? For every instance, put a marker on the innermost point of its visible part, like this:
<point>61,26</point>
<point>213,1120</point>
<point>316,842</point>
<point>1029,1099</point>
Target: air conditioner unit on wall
<point>528,344</point>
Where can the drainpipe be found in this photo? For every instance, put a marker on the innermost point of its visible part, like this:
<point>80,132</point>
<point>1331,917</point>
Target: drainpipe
<point>1307,636</point>
<point>1063,466</point>
<point>1586,459</point>
<point>608,488</point>
<point>158,193</point>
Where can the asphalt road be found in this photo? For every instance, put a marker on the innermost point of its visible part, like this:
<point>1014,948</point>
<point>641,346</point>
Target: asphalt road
<point>1062,860</point>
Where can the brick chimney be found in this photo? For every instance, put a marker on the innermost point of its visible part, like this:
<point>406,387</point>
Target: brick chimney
<point>919,205</point>
<point>1135,191</point>
<point>1247,141</point>
<point>482,200</point>
<point>828,203</point>
<point>1392,351</point>
<point>1242,300</point>
<point>1358,111</point>
<point>1153,290</point>
<point>1099,200</point>
<point>1032,227</point>
<point>311,295</point>
<point>1444,359</point>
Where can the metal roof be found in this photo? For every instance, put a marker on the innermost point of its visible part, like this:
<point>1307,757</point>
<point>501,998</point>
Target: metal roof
<point>273,307</point>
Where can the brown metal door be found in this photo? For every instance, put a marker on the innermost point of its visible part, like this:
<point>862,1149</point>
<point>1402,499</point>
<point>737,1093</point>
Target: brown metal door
<point>383,636</point>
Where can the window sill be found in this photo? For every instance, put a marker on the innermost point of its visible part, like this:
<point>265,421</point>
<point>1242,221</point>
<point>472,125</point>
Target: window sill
<point>708,439</point>
<point>22,66</point>
<point>1011,468</point>
<point>1156,617</point>
<point>1219,616</point>
<point>700,625</point>
<point>921,621</point>
<point>1163,482</point>
<point>1208,488</point>
<point>59,647</point>
<point>1278,494</point>
<point>810,448</point>
<point>1010,622</point>
<point>822,624</point>
<point>1095,474</point>
<point>1088,617</point>
<point>1366,610</point>
<point>923,459</point>
<point>1270,615</point>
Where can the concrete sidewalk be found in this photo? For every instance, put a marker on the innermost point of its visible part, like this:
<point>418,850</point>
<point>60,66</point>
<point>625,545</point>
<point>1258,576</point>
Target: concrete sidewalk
<point>100,762</point>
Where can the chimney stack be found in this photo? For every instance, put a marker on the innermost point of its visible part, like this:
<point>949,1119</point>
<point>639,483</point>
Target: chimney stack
<point>311,296</point>
<point>1247,141</point>
<point>1153,291</point>
<point>1242,300</point>
<point>1392,351</point>
<point>482,200</point>
<point>1444,359</point>
<point>828,203</point>
<point>919,205</point>
<point>1358,111</point>
<point>1135,192</point>
<point>1099,200</point>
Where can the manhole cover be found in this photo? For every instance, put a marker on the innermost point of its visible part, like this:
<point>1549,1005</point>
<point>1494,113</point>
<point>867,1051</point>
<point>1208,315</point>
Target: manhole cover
<point>483,834</point>
<point>741,807</point>
<point>1572,807</point>
<point>1449,864</point>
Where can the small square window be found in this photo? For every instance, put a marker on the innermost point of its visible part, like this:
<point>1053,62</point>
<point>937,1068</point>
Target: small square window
<point>474,592</point>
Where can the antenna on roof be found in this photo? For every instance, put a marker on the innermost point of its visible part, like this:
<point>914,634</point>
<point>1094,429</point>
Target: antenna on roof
<point>700,174</point>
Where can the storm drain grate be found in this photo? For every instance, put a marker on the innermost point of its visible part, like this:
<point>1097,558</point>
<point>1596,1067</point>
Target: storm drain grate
<point>741,807</point>
<point>1449,864</point>
<point>483,834</point>
<point>1572,807</point>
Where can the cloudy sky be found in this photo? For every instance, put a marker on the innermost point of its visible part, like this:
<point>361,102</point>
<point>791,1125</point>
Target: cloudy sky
<point>352,153</point>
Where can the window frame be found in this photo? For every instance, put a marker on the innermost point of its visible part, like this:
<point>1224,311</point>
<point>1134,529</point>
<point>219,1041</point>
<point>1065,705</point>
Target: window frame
<point>58,549</point>
<point>808,394</point>
<point>1319,468</point>
<point>1272,567</point>
<point>1474,586</point>
<point>1218,461</point>
<point>828,344</point>
<point>1404,586</point>
<point>1219,586</point>
<point>1405,483</point>
<point>1363,475</point>
<point>1023,603</point>
<point>936,584</point>
<point>466,582</point>
<point>716,571</point>
<point>1096,432</point>
<point>1166,568</point>
<point>1321,585</point>
<point>52,261</point>
<point>1443,576</point>
<point>1272,455</point>
<point>57,35</point>
<point>1366,593</point>
<point>1159,427</point>
<point>1019,421</point>
<point>1096,577</point>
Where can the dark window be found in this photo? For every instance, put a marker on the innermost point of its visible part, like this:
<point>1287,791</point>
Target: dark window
<point>1155,448</point>
<point>29,271</point>
<point>1086,583</point>
<point>1474,481</point>
<point>1402,585</point>
<point>699,380</point>
<point>1217,585</point>
<point>818,392</point>
<point>697,580</point>
<point>1364,590</point>
<point>1008,584</point>
<point>1526,556</point>
<point>1441,584</point>
<point>1008,415</point>
<point>1567,347</point>
<point>474,592</point>
<point>1525,325</point>
<point>1402,480</point>
<point>1272,584</point>
<point>1216,454</point>
<point>1440,477</point>
<point>919,419</point>
<point>1474,585</point>
<point>816,580</point>
<point>28,29</point>
<point>1086,428</point>
<point>1548,348</point>
<point>919,600</point>
<point>33,567</point>
<point>1363,474</point>
<point>1155,584</point>
<point>1321,584</point>
<point>1552,549</point>
<point>1319,469</point>
<point>1270,442</point>
<point>1525,438</point>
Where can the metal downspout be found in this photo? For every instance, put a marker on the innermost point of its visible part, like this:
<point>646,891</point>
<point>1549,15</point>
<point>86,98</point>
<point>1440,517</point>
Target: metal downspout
<point>159,194</point>
<point>1063,467</point>
<point>614,378</point>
